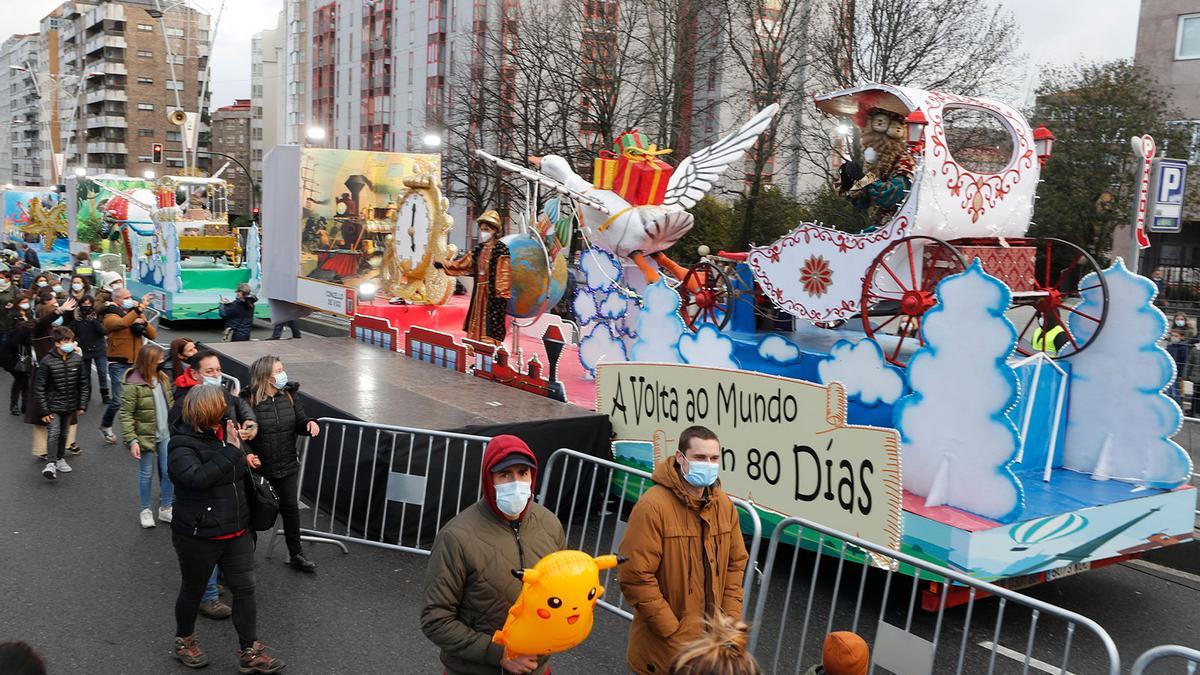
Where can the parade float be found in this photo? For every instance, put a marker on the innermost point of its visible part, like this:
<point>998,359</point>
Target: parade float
<point>173,237</point>
<point>950,387</point>
<point>37,216</point>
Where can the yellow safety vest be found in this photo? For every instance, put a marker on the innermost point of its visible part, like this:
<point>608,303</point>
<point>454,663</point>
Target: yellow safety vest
<point>1044,341</point>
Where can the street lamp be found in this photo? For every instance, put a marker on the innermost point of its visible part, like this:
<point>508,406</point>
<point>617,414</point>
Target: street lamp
<point>148,174</point>
<point>432,140</point>
<point>1043,143</point>
<point>80,172</point>
<point>315,134</point>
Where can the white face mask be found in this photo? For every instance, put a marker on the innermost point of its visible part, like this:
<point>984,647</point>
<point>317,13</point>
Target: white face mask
<point>212,380</point>
<point>485,236</point>
<point>280,380</point>
<point>512,498</point>
<point>42,284</point>
<point>24,305</point>
<point>77,287</point>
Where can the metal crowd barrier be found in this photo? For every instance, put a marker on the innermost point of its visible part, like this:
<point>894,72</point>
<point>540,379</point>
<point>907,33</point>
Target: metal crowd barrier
<point>385,486</point>
<point>1188,437</point>
<point>592,497</point>
<point>789,628</point>
<point>1151,656</point>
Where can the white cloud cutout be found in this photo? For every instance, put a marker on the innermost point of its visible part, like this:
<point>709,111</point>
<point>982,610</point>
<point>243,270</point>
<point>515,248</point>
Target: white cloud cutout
<point>707,347</point>
<point>600,268</point>
<point>776,348</point>
<point>864,372</point>
<point>614,306</point>
<point>601,347</point>
<point>585,307</point>
<point>658,326</point>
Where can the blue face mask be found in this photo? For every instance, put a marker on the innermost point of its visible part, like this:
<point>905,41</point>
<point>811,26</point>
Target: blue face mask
<point>67,347</point>
<point>212,380</point>
<point>512,498</point>
<point>57,322</point>
<point>280,380</point>
<point>127,303</point>
<point>702,474</point>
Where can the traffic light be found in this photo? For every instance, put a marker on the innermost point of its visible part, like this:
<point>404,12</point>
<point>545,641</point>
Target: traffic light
<point>156,151</point>
<point>256,214</point>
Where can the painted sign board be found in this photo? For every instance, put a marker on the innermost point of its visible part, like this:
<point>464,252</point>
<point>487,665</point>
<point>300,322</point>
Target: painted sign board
<point>1169,186</point>
<point>785,444</point>
<point>325,297</point>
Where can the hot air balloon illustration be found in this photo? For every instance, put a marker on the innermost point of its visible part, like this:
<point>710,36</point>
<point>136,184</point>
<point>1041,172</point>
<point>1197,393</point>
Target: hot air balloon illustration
<point>1033,532</point>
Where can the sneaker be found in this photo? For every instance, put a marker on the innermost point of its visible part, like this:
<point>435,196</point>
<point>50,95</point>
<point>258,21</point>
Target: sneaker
<point>164,514</point>
<point>254,659</point>
<point>74,449</point>
<point>299,562</point>
<point>109,436</point>
<point>216,610</point>
<point>105,397</point>
<point>50,472</point>
<point>147,518</point>
<point>62,466</point>
<point>188,651</point>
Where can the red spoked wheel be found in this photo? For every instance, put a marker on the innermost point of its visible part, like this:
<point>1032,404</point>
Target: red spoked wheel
<point>898,289</point>
<point>1054,293</point>
<point>704,296</point>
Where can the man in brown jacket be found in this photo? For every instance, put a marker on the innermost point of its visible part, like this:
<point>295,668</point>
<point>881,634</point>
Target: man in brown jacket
<point>686,554</point>
<point>127,331</point>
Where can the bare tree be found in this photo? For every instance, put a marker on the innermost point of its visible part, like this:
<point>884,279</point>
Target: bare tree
<point>768,47</point>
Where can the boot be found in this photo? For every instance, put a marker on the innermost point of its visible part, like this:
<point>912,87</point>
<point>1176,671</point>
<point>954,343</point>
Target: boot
<point>254,659</point>
<point>105,397</point>
<point>299,562</point>
<point>188,651</point>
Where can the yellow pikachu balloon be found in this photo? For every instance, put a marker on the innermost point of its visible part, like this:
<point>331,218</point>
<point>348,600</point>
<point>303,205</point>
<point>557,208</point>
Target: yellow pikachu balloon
<point>555,609</point>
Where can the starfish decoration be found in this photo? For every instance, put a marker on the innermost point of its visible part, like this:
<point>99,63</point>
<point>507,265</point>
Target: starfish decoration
<point>49,224</point>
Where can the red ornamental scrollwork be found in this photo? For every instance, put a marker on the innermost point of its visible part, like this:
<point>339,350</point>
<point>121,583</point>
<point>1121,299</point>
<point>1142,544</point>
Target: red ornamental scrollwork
<point>979,192</point>
<point>807,234</point>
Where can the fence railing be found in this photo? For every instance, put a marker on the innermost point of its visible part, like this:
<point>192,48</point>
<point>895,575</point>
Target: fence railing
<point>386,486</point>
<point>1188,437</point>
<point>1151,657</point>
<point>592,498</point>
<point>789,627</point>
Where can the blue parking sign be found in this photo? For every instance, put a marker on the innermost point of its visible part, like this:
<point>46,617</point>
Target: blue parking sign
<point>1168,187</point>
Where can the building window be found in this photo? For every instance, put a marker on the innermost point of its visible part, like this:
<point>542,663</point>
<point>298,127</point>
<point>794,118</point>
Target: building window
<point>1187,39</point>
<point>145,28</point>
<point>145,159</point>
<point>178,59</point>
<point>174,85</point>
<point>145,54</point>
<point>145,106</point>
<point>175,162</point>
<point>175,32</point>
<point>146,133</point>
<point>145,80</point>
<point>174,136</point>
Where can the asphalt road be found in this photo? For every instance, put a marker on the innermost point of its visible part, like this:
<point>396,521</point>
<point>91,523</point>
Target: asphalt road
<point>80,579</point>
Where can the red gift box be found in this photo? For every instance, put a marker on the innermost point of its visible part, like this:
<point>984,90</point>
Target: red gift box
<point>650,182</point>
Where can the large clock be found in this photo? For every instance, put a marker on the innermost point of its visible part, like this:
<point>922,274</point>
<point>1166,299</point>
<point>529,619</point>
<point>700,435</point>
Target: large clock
<point>414,222</point>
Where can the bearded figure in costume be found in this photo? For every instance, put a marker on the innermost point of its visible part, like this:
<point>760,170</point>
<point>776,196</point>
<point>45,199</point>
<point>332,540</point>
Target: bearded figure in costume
<point>488,264</point>
<point>882,182</point>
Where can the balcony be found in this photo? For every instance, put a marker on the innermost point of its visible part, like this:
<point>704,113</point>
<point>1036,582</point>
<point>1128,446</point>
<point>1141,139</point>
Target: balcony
<point>109,10</point>
<point>107,122</point>
<point>111,68</point>
<point>106,94</point>
<point>103,40</point>
<point>106,148</point>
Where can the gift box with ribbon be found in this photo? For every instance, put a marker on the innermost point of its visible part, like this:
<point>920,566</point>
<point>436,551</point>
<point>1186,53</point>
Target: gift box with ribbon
<point>641,175</point>
<point>604,170</point>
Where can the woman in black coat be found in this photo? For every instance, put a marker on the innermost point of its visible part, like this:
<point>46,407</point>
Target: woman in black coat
<point>272,452</point>
<point>211,526</point>
<point>16,353</point>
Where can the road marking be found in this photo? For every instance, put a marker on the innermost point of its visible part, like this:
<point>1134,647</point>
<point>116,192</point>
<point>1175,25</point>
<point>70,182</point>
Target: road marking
<point>1020,658</point>
<point>1163,569</point>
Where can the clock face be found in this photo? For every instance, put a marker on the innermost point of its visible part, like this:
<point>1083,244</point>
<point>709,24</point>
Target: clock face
<point>413,223</point>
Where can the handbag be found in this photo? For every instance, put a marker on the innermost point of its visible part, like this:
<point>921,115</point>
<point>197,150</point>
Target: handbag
<point>23,360</point>
<point>264,503</point>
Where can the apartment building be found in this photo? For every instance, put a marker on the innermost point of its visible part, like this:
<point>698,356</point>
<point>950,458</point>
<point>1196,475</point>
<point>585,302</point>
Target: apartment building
<point>266,86</point>
<point>232,135</point>
<point>24,145</point>
<point>122,67</point>
<point>1168,47</point>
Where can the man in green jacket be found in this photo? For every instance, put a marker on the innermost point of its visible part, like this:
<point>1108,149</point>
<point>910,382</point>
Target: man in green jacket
<point>469,585</point>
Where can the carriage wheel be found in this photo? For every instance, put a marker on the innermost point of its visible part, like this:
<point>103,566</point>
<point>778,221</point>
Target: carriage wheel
<point>704,296</point>
<point>898,290</point>
<point>1059,269</point>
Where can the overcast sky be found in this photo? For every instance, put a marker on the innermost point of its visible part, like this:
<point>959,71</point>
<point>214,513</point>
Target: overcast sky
<point>1055,31</point>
